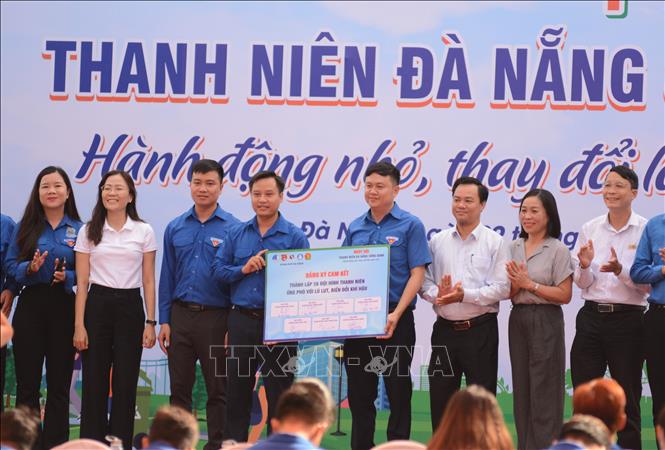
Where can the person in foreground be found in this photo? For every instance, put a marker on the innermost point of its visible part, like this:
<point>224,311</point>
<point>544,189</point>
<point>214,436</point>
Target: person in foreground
<point>173,428</point>
<point>304,413</point>
<point>240,263</point>
<point>540,273</point>
<point>19,429</point>
<point>649,267</point>
<point>386,223</point>
<point>602,398</point>
<point>583,432</point>
<point>472,420</point>
<point>115,258</point>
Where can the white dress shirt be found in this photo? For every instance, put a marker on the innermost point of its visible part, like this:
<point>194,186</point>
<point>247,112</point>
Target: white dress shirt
<point>477,262</point>
<point>605,287</point>
<point>117,261</point>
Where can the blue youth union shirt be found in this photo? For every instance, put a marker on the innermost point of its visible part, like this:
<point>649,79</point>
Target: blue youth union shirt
<point>408,245</point>
<point>59,243</point>
<point>245,241</point>
<point>189,251</point>
<point>7,226</point>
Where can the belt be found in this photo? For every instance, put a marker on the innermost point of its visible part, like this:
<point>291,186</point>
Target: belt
<point>611,307</point>
<point>462,325</point>
<point>114,291</point>
<point>654,305</point>
<point>254,313</point>
<point>197,306</point>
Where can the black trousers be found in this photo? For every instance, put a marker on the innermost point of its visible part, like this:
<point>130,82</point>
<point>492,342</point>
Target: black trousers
<point>654,344</point>
<point>199,335</point>
<point>367,358</point>
<point>114,320</point>
<point>472,352</point>
<point>613,340</point>
<point>43,331</point>
<point>247,354</point>
<point>3,363</point>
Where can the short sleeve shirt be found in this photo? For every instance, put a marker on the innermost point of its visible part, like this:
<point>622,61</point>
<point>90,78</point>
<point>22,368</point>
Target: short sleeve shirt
<point>549,265</point>
<point>117,261</point>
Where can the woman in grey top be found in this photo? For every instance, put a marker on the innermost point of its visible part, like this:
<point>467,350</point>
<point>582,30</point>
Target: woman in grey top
<point>540,273</point>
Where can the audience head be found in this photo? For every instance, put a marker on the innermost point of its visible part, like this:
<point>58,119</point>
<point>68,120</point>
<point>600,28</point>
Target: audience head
<point>586,431</point>
<point>538,213</point>
<point>306,408</point>
<point>141,441</point>
<point>472,421</point>
<point>602,398</point>
<point>660,428</point>
<point>19,428</point>
<point>176,427</point>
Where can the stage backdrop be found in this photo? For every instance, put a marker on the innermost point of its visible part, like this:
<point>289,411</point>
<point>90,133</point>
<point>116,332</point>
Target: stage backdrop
<point>518,94</point>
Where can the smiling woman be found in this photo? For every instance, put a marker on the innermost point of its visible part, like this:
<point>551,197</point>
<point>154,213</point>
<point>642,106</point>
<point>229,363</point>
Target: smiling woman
<point>41,259</point>
<point>115,255</point>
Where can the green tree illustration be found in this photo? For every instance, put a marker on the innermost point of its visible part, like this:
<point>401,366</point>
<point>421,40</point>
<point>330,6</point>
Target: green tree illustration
<point>199,392</point>
<point>10,377</point>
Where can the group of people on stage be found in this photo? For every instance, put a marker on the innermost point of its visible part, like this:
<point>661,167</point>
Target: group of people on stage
<point>212,293</point>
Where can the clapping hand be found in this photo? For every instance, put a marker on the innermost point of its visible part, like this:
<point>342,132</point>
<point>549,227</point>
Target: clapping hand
<point>613,265</point>
<point>585,254</point>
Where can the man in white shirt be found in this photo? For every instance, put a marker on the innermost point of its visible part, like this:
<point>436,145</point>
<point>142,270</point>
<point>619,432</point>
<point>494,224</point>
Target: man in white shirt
<point>609,326</point>
<point>465,282</point>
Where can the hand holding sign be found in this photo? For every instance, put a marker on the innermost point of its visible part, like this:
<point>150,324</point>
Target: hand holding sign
<point>255,263</point>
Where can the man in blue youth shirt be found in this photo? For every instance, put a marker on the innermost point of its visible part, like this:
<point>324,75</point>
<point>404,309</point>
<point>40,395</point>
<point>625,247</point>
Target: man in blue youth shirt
<point>240,262</point>
<point>649,267</point>
<point>193,307</point>
<point>386,223</point>
<point>8,288</point>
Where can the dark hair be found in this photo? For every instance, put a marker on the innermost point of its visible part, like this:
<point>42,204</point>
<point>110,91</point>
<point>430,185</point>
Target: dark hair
<point>483,193</point>
<point>137,442</point>
<point>661,419</point>
<point>627,174</point>
<point>587,429</point>
<point>19,426</point>
<point>208,165</point>
<point>472,420</point>
<point>549,203</point>
<point>96,225</point>
<point>308,400</point>
<point>385,169</point>
<point>175,426</point>
<point>267,174</point>
<point>33,221</point>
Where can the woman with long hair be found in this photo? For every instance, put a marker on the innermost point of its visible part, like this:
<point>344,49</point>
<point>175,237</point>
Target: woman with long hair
<point>541,277</point>
<point>41,258</point>
<point>472,420</point>
<point>115,256</point>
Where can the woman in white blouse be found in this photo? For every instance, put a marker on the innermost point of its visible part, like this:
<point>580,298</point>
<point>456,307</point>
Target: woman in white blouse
<point>115,256</point>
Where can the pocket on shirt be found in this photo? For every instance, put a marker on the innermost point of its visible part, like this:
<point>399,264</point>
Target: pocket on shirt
<point>242,255</point>
<point>44,244</point>
<point>182,242</point>
<point>481,264</point>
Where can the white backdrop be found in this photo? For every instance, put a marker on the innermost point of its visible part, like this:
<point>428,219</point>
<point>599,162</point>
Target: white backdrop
<point>522,95</point>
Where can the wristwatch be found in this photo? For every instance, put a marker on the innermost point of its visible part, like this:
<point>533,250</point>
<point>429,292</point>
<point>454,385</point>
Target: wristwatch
<point>151,322</point>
